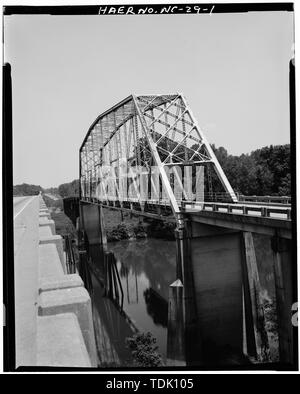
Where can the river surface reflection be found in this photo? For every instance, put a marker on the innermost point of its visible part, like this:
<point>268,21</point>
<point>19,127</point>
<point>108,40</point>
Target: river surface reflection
<point>146,268</point>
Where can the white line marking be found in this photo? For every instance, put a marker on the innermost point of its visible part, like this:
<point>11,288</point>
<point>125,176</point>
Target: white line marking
<point>28,202</point>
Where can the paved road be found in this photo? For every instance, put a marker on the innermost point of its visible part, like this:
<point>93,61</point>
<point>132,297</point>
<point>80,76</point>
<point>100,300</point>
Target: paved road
<point>26,249</point>
<point>20,203</point>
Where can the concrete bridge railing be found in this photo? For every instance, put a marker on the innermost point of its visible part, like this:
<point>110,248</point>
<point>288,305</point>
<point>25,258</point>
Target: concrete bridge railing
<point>54,325</point>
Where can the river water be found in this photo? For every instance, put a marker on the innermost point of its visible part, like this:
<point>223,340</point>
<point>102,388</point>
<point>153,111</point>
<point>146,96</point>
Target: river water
<point>146,268</point>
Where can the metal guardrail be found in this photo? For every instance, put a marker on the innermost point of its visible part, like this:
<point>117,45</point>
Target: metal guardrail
<point>233,208</point>
<point>266,212</point>
<point>266,199</point>
<point>208,197</point>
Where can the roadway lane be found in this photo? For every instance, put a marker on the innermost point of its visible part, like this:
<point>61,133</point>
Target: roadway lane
<point>20,203</point>
<point>26,257</point>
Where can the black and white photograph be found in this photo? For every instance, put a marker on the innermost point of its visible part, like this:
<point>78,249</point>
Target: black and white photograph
<point>149,189</point>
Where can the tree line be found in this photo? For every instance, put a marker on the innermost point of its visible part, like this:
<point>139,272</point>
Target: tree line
<point>263,172</point>
<point>26,190</point>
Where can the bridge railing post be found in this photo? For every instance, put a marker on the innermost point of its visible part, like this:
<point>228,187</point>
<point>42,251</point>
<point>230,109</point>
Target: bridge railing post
<point>263,211</point>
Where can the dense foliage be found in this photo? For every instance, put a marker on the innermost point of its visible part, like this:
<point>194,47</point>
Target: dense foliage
<point>144,351</point>
<point>26,190</point>
<point>52,190</point>
<point>265,171</point>
<point>70,189</point>
<point>53,203</point>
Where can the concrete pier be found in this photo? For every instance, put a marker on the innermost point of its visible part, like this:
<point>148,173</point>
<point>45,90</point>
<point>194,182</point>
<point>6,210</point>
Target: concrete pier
<point>216,260</point>
<point>90,215</point>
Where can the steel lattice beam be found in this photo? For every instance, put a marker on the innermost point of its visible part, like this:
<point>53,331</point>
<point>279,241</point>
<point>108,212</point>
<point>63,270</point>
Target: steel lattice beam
<point>139,132</point>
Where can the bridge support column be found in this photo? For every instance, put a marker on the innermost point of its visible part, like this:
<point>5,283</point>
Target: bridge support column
<point>180,236</point>
<point>282,258</point>
<point>92,221</point>
<point>185,299</point>
<point>217,262</point>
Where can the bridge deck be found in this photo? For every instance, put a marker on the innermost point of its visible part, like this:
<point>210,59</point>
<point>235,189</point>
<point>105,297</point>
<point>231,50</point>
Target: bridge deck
<point>260,218</point>
<point>273,211</point>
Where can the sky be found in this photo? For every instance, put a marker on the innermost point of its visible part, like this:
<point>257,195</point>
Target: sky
<point>66,70</point>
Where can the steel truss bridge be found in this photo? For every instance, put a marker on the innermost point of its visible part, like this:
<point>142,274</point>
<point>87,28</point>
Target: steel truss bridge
<point>148,154</point>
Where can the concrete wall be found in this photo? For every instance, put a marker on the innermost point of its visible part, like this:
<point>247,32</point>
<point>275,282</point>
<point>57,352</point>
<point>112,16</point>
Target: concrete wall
<point>91,222</point>
<point>218,277</point>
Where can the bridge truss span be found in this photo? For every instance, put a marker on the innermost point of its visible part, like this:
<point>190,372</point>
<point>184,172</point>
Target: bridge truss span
<point>149,150</point>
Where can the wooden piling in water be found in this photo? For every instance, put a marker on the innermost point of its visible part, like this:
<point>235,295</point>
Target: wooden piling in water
<point>257,338</point>
<point>282,257</point>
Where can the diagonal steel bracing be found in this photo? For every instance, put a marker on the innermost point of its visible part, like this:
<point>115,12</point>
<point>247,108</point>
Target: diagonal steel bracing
<point>138,152</point>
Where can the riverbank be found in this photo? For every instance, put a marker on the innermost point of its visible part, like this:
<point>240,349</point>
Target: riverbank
<point>118,225</point>
<point>125,226</point>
